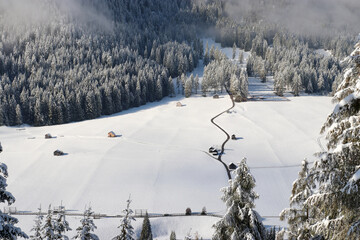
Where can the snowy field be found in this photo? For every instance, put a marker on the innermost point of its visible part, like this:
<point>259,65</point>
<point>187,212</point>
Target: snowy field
<point>160,158</point>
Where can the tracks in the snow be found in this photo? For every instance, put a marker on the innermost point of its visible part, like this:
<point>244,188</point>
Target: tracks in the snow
<point>227,134</point>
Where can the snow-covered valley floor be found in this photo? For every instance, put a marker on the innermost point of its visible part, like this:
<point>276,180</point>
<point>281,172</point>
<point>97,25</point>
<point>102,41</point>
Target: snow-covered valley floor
<point>160,159</point>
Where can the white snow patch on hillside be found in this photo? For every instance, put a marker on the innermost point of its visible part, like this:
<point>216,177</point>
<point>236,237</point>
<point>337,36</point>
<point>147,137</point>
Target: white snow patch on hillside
<point>323,52</point>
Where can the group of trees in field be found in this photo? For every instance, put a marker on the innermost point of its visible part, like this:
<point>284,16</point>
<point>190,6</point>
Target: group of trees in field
<point>289,57</point>
<point>220,72</point>
<point>298,68</point>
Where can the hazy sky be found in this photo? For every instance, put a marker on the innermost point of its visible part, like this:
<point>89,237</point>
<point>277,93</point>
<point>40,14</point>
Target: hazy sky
<point>37,11</point>
<point>309,16</point>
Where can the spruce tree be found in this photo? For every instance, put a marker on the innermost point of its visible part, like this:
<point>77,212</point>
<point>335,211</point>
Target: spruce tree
<point>7,222</point>
<point>37,227</point>
<point>188,87</point>
<point>234,51</point>
<point>173,235</point>
<point>146,233</point>
<point>336,172</point>
<point>61,225</point>
<point>48,227</point>
<point>240,221</point>
<point>298,215</point>
<point>241,57</point>
<point>84,232</point>
<point>196,83</point>
<point>171,87</point>
<point>126,229</point>
<point>296,86</point>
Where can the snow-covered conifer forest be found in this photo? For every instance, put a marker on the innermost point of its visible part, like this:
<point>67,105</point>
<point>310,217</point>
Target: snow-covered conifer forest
<point>123,119</point>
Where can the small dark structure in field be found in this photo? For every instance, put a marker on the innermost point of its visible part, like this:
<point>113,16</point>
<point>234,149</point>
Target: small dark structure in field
<point>58,153</point>
<point>233,137</point>
<point>188,211</point>
<point>216,96</point>
<point>111,134</point>
<point>0,148</point>
<point>232,166</point>
<point>179,104</point>
<point>48,135</point>
<point>215,153</point>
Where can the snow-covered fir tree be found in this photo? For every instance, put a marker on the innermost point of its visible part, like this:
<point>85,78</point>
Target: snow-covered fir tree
<point>241,57</point>
<point>85,231</point>
<point>173,235</point>
<point>196,83</point>
<point>126,229</point>
<point>48,226</point>
<point>188,87</point>
<point>171,87</point>
<point>55,224</point>
<point>279,84</point>
<point>61,224</point>
<point>336,172</point>
<point>234,85</point>
<point>8,230</point>
<point>146,233</point>
<point>296,85</point>
<point>234,51</point>
<point>37,226</point>
<point>298,215</point>
<point>240,221</point>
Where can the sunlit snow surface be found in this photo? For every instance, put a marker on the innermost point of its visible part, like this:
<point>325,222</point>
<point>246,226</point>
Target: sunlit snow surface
<point>159,158</point>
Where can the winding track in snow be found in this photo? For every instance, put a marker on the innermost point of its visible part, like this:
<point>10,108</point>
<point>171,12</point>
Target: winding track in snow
<point>227,135</point>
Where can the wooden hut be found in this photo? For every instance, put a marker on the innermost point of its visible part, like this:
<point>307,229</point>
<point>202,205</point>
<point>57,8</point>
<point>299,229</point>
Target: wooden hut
<point>58,153</point>
<point>232,166</point>
<point>48,135</point>
<point>111,134</point>
<point>178,104</point>
<point>216,96</point>
<point>0,148</point>
<point>233,137</point>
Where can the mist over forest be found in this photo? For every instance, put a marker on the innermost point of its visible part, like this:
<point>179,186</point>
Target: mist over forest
<point>310,17</point>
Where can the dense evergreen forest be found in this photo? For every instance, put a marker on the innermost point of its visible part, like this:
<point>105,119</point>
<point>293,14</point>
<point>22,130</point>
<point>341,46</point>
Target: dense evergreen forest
<point>65,66</point>
<point>64,61</point>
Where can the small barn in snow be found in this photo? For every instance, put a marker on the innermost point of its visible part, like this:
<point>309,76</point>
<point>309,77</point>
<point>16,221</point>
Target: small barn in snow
<point>216,96</point>
<point>111,134</point>
<point>48,135</point>
<point>179,104</point>
<point>232,166</point>
<point>58,153</point>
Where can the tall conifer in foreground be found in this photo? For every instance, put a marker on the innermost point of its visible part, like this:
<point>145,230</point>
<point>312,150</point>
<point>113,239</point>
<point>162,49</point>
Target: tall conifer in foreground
<point>298,215</point>
<point>240,221</point>
<point>337,172</point>
<point>7,222</point>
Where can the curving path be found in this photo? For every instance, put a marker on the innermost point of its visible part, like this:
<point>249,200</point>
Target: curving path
<point>227,135</point>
